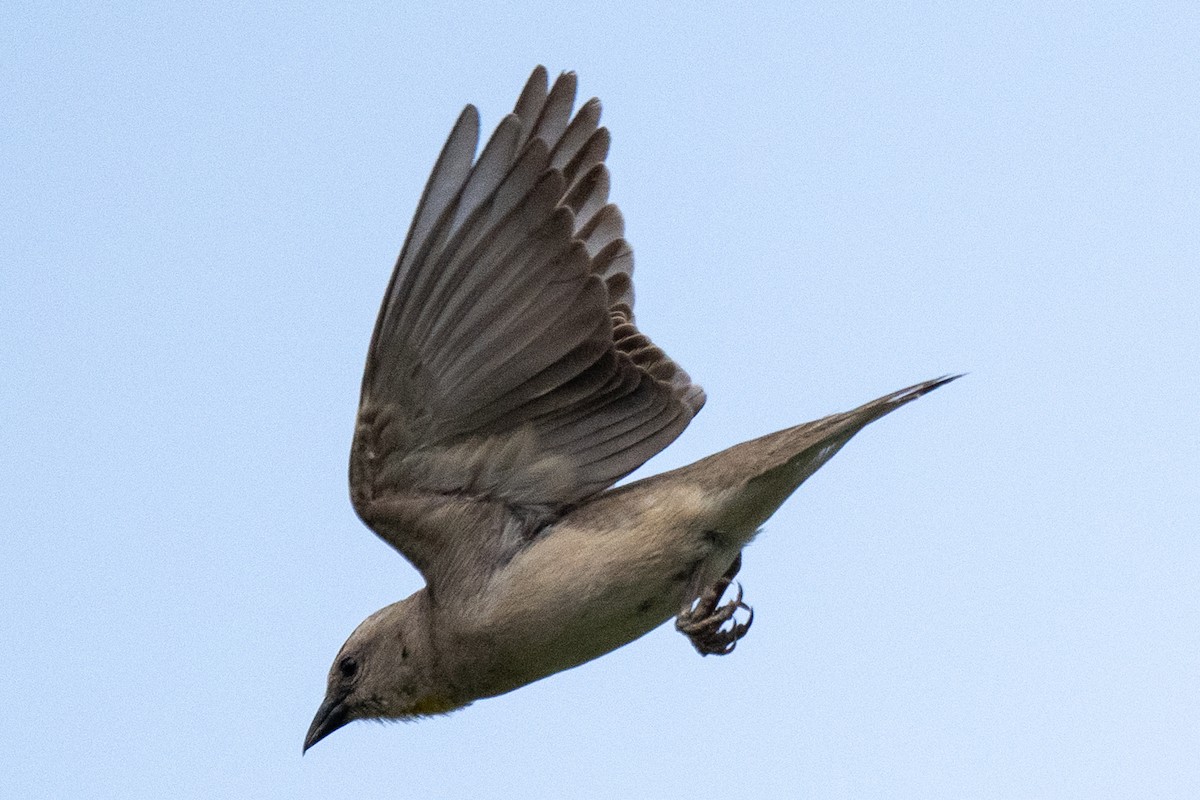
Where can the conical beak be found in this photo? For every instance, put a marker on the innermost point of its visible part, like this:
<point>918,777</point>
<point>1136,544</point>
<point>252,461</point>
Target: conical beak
<point>330,716</point>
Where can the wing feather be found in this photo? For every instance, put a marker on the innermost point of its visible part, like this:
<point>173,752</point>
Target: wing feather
<point>505,367</point>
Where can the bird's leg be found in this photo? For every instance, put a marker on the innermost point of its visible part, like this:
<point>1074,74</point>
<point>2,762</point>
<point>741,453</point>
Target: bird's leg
<point>702,622</point>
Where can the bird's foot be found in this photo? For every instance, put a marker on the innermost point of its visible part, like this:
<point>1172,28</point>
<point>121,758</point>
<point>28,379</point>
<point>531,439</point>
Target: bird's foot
<point>702,622</point>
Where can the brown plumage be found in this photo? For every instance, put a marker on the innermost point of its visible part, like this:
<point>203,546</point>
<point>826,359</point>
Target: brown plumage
<point>506,388</point>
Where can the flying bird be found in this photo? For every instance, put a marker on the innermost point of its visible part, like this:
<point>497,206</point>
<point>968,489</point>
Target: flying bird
<point>507,388</point>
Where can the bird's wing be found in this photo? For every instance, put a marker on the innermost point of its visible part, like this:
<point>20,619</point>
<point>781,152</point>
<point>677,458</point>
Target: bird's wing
<point>505,367</point>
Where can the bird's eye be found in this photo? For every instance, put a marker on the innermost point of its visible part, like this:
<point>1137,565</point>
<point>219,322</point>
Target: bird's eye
<point>348,667</point>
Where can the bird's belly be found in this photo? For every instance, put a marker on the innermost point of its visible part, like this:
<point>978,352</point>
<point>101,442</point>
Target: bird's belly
<point>579,594</point>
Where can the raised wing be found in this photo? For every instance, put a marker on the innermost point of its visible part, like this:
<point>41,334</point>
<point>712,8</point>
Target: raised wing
<point>505,367</point>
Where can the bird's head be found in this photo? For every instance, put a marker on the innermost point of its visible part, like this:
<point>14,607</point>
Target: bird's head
<point>384,671</point>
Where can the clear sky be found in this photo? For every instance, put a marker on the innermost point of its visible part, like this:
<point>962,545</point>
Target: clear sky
<point>992,593</point>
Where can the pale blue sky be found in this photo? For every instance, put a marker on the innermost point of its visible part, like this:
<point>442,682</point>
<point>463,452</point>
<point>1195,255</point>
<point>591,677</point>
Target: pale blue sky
<point>990,594</point>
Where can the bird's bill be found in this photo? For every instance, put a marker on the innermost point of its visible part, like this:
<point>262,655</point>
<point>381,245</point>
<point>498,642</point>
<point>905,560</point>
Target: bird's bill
<point>330,716</point>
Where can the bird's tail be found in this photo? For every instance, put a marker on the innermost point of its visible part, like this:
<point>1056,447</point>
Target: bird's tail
<point>771,467</point>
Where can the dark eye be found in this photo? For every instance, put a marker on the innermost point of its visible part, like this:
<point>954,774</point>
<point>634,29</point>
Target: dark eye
<point>348,667</point>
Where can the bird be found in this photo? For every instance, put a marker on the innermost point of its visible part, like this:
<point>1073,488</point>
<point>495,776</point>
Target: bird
<point>507,389</point>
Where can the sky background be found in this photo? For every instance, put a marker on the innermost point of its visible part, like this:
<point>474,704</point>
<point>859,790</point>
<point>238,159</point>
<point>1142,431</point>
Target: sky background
<point>993,593</point>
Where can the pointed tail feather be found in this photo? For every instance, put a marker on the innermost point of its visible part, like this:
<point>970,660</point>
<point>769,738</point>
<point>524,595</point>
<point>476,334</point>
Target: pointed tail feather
<point>768,469</point>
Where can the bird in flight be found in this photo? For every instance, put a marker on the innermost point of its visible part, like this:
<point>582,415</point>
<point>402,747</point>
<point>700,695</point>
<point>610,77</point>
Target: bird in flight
<point>507,388</point>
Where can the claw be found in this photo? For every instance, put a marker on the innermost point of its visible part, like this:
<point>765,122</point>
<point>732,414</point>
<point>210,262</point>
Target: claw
<point>702,623</point>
